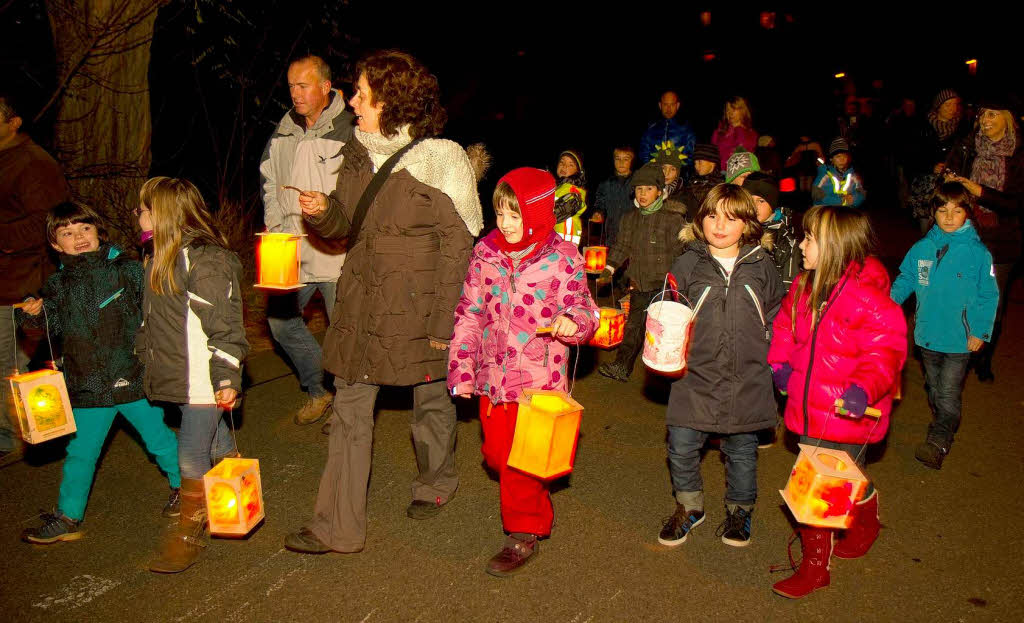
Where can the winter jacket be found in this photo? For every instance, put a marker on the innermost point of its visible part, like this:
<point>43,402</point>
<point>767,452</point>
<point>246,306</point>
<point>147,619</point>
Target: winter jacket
<point>955,284</point>
<point>727,385</point>
<point>730,139</point>
<point>861,338</point>
<point>31,182</point>
<point>650,244</point>
<point>614,199</point>
<point>696,189</point>
<point>786,254</point>
<point>193,342</point>
<point>94,309</point>
<point>570,204</point>
<point>662,130</point>
<point>403,272</point>
<point>495,351</point>
<point>831,186</point>
<point>308,159</point>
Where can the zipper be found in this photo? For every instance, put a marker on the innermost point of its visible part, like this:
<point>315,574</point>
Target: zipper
<point>967,326</point>
<point>760,313</point>
<point>546,346</point>
<point>814,342</point>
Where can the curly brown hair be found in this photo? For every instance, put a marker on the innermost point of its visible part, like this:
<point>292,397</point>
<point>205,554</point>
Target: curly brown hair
<point>409,91</point>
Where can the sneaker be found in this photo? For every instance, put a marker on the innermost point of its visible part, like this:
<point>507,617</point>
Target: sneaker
<point>314,410</point>
<point>615,371</point>
<point>422,509</point>
<point>56,527</point>
<point>735,530</point>
<point>931,454</point>
<point>678,526</point>
<point>173,506</point>
<point>512,556</point>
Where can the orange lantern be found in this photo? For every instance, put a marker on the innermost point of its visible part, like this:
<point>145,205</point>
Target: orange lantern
<point>823,487</point>
<point>234,497</point>
<point>611,329</point>
<point>596,258</point>
<point>277,261</point>
<point>624,305</point>
<point>42,405</point>
<point>547,428</point>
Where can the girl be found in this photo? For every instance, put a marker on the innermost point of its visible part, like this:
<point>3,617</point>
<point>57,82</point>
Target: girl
<point>837,335</point>
<point>734,130</point>
<point>570,196</point>
<point>727,389</point>
<point>192,291</point>
<point>523,276</point>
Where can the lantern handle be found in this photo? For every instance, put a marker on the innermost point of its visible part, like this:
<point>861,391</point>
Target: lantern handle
<point>824,427</point>
<point>576,361</point>
<point>14,334</point>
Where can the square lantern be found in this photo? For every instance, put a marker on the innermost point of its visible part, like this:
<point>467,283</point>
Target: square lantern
<point>547,428</point>
<point>596,258</point>
<point>278,258</point>
<point>624,305</point>
<point>611,329</point>
<point>42,405</point>
<point>234,496</point>
<point>823,487</point>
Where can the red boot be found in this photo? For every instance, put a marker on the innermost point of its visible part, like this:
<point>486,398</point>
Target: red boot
<point>813,572</point>
<point>858,538</point>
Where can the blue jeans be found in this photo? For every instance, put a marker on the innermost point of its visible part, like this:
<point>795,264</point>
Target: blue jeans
<point>740,451</point>
<point>11,357</point>
<point>203,439</point>
<point>284,314</point>
<point>944,375</point>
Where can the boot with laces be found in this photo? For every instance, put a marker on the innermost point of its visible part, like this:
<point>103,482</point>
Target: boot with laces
<point>813,572</point>
<point>173,506</point>
<point>184,542</point>
<point>56,527</point>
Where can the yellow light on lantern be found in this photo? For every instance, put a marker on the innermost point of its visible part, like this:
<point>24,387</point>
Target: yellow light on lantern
<point>823,487</point>
<point>234,497</point>
<point>596,258</point>
<point>611,329</point>
<point>278,259</point>
<point>547,429</point>
<point>42,405</point>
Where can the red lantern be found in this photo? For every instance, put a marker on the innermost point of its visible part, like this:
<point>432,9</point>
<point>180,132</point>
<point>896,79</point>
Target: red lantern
<point>547,428</point>
<point>596,258</point>
<point>278,260</point>
<point>611,329</point>
<point>823,487</point>
<point>234,497</point>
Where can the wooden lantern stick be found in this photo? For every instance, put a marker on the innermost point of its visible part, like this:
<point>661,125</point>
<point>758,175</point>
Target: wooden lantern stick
<point>870,411</point>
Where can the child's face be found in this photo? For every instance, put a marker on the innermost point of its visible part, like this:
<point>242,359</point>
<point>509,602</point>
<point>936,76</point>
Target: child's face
<point>809,247</point>
<point>566,167</point>
<point>733,114</point>
<point>510,224</point>
<point>764,210</point>
<point>645,195</point>
<point>145,217</point>
<point>704,167</point>
<point>950,217</point>
<point>670,172</point>
<point>841,160</point>
<point>623,162</point>
<point>723,233</point>
<point>77,238</point>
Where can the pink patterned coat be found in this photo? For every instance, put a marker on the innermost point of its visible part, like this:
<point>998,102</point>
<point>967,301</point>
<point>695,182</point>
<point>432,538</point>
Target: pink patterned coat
<point>494,351</point>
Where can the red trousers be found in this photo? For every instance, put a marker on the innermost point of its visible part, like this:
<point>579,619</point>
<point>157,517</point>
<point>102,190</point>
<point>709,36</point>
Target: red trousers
<point>525,501</point>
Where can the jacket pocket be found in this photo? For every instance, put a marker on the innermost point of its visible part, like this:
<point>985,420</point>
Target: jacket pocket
<point>760,311</point>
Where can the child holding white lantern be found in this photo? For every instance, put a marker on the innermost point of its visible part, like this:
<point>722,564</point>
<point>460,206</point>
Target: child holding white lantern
<point>838,336</point>
<point>523,277</point>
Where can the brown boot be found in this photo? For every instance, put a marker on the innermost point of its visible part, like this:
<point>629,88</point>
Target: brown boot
<point>185,541</point>
<point>518,549</point>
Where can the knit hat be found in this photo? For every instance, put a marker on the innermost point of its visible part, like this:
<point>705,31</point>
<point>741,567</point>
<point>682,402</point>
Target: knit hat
<point>648,175</point>
<point>764,186</point>
<point>535,192</point>
<point>576,158</point>
<point>741,161</point>
<point>668,153</point>
<point>943,96</point>
<point>839,145</point>
<point>707,151</point>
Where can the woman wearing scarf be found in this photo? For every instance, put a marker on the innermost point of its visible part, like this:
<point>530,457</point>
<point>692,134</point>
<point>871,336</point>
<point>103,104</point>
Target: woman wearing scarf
<point>939,134</point>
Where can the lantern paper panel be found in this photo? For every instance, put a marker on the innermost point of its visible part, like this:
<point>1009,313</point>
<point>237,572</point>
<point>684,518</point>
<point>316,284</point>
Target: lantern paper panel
<point>234,496</point>
<point>278,258</point>
<point>42,405</point>
<point>823,487</point>
<point>596,258</point>
<point>547,429</point>
<point>611,330</point>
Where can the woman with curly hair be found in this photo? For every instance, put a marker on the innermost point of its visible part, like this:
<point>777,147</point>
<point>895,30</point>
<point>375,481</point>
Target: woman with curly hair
<point>410,233</point>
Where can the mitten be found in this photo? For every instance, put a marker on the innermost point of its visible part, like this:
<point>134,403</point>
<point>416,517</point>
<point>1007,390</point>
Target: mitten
<point>855,401</point>
<point>780,375</point>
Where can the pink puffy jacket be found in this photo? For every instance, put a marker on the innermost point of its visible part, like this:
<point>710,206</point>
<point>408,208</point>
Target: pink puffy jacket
<point>861,339</point>
<point>495,351</point>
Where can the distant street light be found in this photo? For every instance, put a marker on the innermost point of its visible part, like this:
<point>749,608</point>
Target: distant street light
<point>972,66</point>
<point>841,74</point>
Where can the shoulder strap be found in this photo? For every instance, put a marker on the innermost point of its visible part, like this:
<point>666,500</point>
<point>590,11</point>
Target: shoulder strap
<point>370,193</point>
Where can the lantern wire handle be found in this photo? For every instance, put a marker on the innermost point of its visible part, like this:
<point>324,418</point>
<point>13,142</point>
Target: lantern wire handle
<point>14,333</point>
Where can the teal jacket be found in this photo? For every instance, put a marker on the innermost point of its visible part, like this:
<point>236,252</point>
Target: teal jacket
<point>957,295</point>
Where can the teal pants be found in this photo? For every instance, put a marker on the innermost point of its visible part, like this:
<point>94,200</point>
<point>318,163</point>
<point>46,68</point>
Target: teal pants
<point>86,444</point>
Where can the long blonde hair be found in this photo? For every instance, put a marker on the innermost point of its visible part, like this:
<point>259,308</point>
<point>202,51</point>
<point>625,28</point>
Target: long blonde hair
<point>843,236</point>
<point>740,104</point>
<point>180,218</point>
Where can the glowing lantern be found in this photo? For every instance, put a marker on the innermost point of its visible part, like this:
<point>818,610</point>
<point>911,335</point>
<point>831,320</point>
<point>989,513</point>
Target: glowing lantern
<point>278,260</point>
<point>547,428</point>
<point>42,404</point>
<point>596,258</point>
<point>611,329</point>
<point>234,497</point>
<point>823,487</point>
<point>624,305</point>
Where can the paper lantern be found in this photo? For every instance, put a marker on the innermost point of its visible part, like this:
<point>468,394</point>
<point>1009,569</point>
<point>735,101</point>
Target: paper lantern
<point>611,329</point>
<point>42,405</point>
<point>278,259</point>
<point>596,258</point>
<point>547,428</point>
<point>823,487</point>
<point>234,497</point>
<point>624,305</point>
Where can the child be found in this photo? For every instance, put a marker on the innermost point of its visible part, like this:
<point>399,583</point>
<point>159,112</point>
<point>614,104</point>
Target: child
<point>951,273</point>
<point>838,185</point>
<point>570,197</point>
<point>192,342</point>
<point>739,165</point>
<point>735,130</point>
<point>648,242</point>
<point>838,335</point>
<point>522,277</point>
<point>613,195</point>
<point>727,388</point>
<point>671,160</point>
<point>775,220</point>
<point>707,175</point>
<point>94,304</point>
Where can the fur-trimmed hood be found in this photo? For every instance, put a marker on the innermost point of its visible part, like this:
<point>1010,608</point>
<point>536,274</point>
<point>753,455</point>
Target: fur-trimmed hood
<point>687,235</point>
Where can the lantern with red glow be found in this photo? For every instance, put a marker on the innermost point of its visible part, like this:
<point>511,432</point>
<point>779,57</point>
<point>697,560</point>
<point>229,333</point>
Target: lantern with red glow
<point>823,487</point>
<point>42,405</point>
<point>277,260</point>
<point>547,428</point>
<point>234,497</point>
<point>596,258</point>
<point>611,328</point>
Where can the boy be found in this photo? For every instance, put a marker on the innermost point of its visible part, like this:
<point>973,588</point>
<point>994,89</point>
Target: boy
<point>648,240</point>
<point>838,185</point>
<point>94,303</point>
<point>706,176</point>
<point>739,165</point>
<point>613,195</point>
<point>671,159</point>
<point>776,220</point>
<point>570,196</point>
<point>950,271</point>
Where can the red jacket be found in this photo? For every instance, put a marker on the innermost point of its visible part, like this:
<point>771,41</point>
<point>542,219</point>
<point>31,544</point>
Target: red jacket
<point>861,339</point>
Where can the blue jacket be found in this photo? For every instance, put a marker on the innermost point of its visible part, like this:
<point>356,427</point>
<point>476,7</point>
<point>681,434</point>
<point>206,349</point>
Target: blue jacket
<point>957,295</point>
<point>662,130</point>
<point>830,186</point>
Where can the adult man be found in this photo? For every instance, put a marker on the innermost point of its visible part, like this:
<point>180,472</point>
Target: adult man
<point>31,182</point>
<point>668,129</point>
<point>303,153</point>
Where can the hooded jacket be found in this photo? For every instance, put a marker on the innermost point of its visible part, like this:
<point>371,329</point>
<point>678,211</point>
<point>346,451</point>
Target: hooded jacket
<point>785,250</point>
<point>650,244</point>
<point>955,285</point>
<point>830,186</point>
<point>861,338</point>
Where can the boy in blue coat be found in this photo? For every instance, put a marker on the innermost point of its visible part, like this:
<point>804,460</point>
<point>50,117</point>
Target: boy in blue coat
<point>837,184</point>
<point>951,273</point>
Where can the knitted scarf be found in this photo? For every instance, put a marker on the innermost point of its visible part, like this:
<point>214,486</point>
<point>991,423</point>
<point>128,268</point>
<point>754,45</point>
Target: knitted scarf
<point>651,209</point>
<point>944,129</point>
<point>989,167</point>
